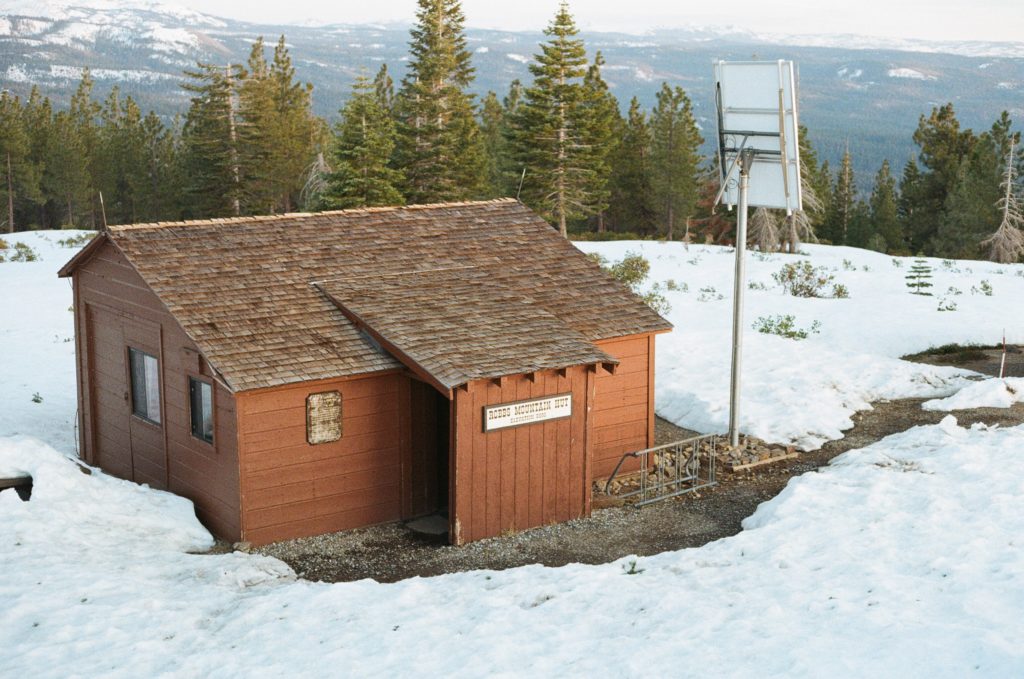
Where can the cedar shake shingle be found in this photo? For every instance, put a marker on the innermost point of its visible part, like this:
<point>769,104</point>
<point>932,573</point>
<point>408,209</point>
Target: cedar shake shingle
<point>517,298</point>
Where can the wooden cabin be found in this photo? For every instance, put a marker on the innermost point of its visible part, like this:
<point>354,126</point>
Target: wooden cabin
<point>302,374</point>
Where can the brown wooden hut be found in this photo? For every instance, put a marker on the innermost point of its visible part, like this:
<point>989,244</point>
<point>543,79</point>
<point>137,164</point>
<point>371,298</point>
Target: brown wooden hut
<point>307,373</point>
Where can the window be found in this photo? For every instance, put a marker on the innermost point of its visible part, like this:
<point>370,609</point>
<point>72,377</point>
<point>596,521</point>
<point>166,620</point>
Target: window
<point>323,417</point>
<point>200,395</point>
<point>145,376</point>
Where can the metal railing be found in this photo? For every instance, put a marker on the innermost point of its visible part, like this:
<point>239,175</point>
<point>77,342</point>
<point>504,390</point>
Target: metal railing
<point>671,469</point>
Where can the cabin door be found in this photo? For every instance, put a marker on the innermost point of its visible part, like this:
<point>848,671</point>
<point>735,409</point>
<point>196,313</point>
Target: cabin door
<point>126,397</point>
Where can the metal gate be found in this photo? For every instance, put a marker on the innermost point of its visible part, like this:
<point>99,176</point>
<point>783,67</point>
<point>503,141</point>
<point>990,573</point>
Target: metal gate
<point>670,469</point>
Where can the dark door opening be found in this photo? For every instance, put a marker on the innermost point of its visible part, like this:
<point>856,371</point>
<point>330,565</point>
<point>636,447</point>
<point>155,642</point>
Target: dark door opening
<point>430,444</point>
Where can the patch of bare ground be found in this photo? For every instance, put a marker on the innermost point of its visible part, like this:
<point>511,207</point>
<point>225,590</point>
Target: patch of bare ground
<point>394,552</point>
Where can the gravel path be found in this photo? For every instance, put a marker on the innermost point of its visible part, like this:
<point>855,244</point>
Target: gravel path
<point>393,552</point>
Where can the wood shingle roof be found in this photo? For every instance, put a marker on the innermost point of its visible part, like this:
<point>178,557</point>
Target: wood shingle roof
<point>474,290</point>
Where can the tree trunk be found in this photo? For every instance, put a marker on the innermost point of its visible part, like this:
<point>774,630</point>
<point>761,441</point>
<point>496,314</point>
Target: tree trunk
<point>671,220</point>
<point>10,196</point>
<point>600,221</point>
<point>236,207</point>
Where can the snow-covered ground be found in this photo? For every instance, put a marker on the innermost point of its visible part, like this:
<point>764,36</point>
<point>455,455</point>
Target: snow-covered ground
<point>804,392</point>
<point>899,560</point>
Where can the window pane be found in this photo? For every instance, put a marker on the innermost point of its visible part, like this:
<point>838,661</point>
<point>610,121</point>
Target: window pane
<point>201,407</point>
<point>145,379</point>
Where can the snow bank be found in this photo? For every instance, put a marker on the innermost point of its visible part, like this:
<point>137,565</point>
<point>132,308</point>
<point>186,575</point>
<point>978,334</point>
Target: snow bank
<point>805,392</point>
<point>994,393</point>
<point>37,347</point>
<point>898,560</point>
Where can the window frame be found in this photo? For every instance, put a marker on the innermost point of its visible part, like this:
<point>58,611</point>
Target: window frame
<point>201,381</point>
<point>146,416</point>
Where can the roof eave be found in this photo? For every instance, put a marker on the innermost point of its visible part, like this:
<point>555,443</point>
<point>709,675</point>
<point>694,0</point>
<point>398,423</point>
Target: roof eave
<point>83,255</point>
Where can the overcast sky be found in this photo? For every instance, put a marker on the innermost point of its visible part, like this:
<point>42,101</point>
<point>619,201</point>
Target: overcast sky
<point>988,20</point>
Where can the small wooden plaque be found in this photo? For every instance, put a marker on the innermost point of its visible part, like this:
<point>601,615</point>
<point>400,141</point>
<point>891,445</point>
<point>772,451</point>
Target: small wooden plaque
<point>323,417</point>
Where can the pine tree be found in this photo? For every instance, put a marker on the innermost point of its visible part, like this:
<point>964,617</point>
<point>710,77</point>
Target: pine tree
<point>603,123</point>
<point>550,133</point>
<point>492,127</point>
<point>438,147</point>
<point>675,158</point>
<point>21,177</point>
<point>944,147</point>
<point>210,150</point>
<point>38,121</point>
<point>276,131</point>
<point>66,170</point>
<point>884,212</point>
<point>842,203</point>
<point>364,141</point>
<point>912,216</point>
<point>82,114</point>
<point>384,87</point>
<point>631,205</point>
<point>918,277</point>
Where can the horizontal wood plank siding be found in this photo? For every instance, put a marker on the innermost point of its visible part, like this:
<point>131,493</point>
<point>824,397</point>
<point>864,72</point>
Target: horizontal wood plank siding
<point>519,477</point>
<point>624,402</point>
<point>293,489</point>
<point>167,455</point>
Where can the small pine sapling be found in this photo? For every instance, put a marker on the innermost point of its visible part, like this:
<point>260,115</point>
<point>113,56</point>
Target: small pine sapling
<point>918,277</point>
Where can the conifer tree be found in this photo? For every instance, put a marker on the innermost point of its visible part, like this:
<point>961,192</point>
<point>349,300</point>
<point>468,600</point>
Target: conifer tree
<point>66,170</point>
<point>364,141</point>
<point>919,276</point>
<point>82,112</point>
<point>384,87</point>
<point>276,131</point>
<point>438,147</point>
<point>911,215</point>
<point>631,205</point>
<point>943,148</point>
<point>492,134</point>
<point>884,211</point>
<point>550,133</point>
<point>675,158</point>
<point>842,203</point>
<point>38,117</point>
<point>21,179</point>
<point>210,150</point>
<point>603,122</point>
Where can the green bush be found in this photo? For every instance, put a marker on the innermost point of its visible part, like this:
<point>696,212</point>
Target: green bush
<point>785,326</point>
<point>800,279</point>
<point>24,253</point>
<point>632,271</point>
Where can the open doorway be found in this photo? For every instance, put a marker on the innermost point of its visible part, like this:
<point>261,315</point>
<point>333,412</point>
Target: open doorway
<point>430,444</point>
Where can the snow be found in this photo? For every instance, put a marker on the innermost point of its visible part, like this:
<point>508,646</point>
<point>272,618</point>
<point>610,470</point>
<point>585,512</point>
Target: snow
<point>805,392</point>
<point>909,73</point>
<point>518,57</point>
<point>900,559</point>
<point>993,393</point>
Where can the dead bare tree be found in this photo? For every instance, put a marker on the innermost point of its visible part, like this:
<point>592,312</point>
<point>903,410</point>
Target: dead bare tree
<point>799,227</point>
<point>316,182</point>
<point>1006,245</point>
<point>764,230</point>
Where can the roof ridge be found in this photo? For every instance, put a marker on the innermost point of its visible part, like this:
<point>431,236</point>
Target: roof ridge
<point>248,219</point>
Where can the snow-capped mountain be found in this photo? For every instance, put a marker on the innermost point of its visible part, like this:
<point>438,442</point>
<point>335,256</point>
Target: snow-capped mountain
<point>867,92</point>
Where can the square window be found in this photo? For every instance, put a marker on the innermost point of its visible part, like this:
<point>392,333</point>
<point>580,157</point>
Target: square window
<point>145,377</point>
<point>201,408</point>
<point>323,417</point>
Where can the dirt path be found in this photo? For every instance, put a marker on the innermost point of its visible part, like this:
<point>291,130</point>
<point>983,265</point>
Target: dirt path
<point>394,552</point>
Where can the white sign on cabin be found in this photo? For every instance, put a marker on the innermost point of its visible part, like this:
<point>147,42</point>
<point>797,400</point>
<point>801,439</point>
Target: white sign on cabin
<point>527,412</point>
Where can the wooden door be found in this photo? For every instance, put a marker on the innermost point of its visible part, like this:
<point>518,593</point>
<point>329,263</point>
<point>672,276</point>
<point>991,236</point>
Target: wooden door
<point>124,444</point>
<point>110,393</point>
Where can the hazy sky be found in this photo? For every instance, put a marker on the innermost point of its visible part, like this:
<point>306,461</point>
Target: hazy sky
<point>930,19</point>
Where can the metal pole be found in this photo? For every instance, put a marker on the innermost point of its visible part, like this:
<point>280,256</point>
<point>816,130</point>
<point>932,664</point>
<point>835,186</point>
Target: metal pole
<point>746,157</point>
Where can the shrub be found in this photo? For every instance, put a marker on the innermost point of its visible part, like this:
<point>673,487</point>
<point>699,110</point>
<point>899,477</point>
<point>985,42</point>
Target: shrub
<point>983,288</point>
<point>785,326</point>
<point>76,241</point>
<point>709,293</point>
<point>849,266</point>
<point>632,271</point>
<point>756,285</point>
<point>24,253</point>
<point>839,291</point>
<point>800,279</point>
<point>673,286</point>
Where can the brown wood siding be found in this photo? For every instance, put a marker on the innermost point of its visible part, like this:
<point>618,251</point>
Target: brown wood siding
<point>624,402</point>
<point>114,309</point>
<point>293,489</point>
<point>520,477</point>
